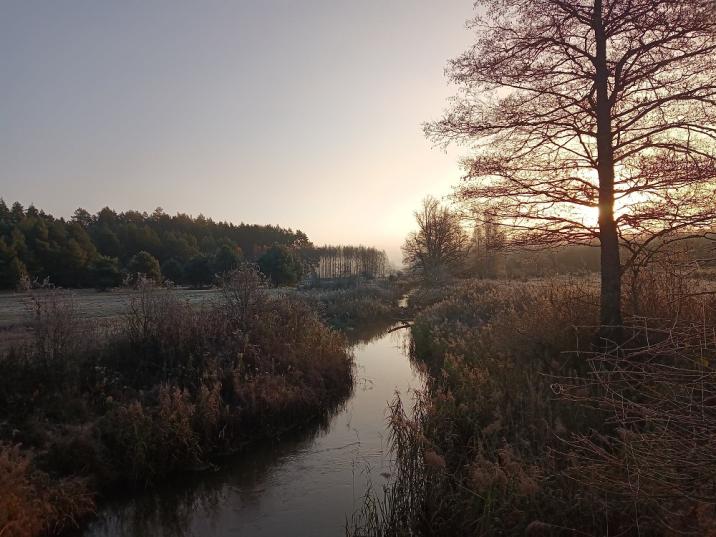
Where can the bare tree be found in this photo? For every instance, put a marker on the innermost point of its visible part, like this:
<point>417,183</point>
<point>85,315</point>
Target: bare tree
<point>579,106</point>
<point>440,244</point>
<point>487,241</point>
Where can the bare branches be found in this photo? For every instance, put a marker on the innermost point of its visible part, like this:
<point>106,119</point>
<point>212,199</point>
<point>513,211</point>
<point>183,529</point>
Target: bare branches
<point>528,108</point>
<point>658,396</point>
<point>440,243</point>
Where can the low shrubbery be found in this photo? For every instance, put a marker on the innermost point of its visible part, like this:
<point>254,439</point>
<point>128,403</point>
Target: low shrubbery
<point>31,502</point>
<point>352,305</point>
<point>162,390</point>
<point>529,427</point>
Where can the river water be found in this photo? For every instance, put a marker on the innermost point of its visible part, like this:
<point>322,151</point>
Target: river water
<point>307,484</point>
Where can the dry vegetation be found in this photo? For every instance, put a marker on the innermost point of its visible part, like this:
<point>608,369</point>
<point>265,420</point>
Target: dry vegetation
<point>528,427</point>
<point>349,303</point>
<point>162,390</point>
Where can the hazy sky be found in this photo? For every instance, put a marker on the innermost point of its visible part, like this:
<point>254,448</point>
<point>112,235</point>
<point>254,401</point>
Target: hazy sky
<point>300,113</point>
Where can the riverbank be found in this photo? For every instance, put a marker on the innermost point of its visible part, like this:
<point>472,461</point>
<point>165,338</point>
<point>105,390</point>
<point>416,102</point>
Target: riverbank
<point>525,428</point>
<point>93,407</point>
<point>305,483</point>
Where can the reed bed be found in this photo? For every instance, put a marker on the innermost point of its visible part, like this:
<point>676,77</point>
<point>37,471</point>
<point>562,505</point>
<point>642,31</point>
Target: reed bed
<point>529,427</point>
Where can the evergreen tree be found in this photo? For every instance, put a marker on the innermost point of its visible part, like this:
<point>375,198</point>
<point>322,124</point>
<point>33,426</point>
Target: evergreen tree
<point>173,270</point>
<point>144,263</point>
<point>226,258</point>
<point>281,265</point>
<point>12,270</point>
<point>198,271</point>
<point>106,273</point>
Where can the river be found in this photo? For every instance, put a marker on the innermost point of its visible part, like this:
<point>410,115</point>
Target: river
<point>307,484</point>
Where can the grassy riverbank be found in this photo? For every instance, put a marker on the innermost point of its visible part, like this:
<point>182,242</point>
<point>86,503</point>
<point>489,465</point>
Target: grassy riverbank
<point>528,428</point>
<point>89,406</point>
<point>348,306</point>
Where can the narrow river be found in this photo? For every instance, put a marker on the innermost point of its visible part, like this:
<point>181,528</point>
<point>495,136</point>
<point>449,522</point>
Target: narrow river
<point>305,485</point>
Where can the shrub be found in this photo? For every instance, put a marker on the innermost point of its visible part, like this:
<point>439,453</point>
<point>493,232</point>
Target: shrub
<point>31,503</point>
<point>146,265</point>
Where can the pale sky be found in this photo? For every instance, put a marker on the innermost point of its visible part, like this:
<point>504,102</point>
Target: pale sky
<point>305,114</point>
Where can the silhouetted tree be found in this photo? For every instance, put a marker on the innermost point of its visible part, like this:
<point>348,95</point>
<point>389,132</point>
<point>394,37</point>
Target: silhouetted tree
<point>606,105</point>
<point>487,241</point>
<point>440,244</point>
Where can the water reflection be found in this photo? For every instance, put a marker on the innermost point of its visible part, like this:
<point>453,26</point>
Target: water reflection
<point>308,483</point>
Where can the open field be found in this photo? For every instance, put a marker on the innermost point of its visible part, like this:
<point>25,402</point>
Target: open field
<point>90,303</point>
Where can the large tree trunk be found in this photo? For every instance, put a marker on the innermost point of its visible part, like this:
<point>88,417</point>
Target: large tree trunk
<point>610,312</point>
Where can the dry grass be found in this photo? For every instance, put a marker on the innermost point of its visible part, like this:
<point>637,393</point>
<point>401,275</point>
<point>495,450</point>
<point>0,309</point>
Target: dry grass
<point>166,388</point>
<point>31,503</point>
<point>367,303</point>
<point>525,429</point>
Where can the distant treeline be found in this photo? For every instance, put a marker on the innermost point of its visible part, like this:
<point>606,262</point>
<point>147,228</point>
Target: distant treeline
<point>348,261</point>
<point>101,250</point>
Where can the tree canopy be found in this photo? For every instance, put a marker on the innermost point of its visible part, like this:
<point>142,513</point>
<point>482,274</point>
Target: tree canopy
<point>439,245</point>
<point>282,265</point>
<point>94,250</point>
<point>590,122</point>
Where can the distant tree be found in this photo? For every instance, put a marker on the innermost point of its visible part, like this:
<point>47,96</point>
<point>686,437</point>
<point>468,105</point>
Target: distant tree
<point>144,263</point>
<point>106,273</point>
<point>179,246</point>
<point>440,244</point>
<point>487,241</point>
<point>5,214</point>
<point>107,242</point>
<point>12,270</point>
<point>173,270</point>
<point>226,258</point>
<point>281,265</point>
<point>16,273</point>
<point>17,213</point>
<point>207,244</point>
<point>82,217</point>
<point>605,105</point>
<point>197,271</point>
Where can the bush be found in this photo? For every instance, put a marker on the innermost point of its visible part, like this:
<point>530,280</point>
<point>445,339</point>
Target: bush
<point>31,503</point>
<point>146,265</point>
